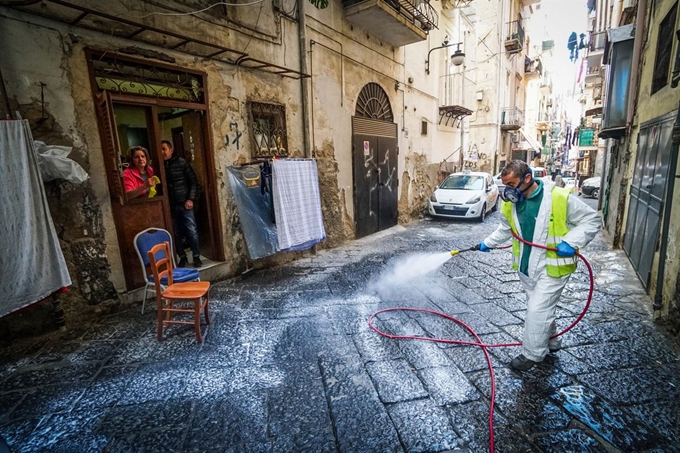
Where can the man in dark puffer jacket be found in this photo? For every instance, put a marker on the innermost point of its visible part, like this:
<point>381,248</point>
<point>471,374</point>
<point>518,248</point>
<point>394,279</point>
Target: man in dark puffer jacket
<point>182,187</point>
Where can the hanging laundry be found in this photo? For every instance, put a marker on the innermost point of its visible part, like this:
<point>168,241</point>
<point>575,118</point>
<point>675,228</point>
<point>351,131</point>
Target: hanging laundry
<point>572,45</point>
<point>32,265</point>
<point>582,41</point>
<point>297,204</point>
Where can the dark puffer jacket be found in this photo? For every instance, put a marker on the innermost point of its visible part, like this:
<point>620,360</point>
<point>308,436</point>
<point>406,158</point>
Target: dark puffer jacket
<point>182,182</point>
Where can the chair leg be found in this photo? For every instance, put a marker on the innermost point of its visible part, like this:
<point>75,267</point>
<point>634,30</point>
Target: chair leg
<point>197,319</point>
<point>146,290</point>
<point>205,310</point>
<point>160,320</point>
<point>168,313</point>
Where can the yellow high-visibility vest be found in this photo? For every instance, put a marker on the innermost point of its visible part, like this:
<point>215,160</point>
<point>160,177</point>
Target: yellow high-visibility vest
<point>556,266</point>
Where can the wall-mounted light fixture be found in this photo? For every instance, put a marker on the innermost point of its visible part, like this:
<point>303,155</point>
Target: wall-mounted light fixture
<point>457,59</point>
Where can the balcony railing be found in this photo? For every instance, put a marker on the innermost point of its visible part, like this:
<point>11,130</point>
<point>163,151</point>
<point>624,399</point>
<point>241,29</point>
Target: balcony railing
<point>532,67</point>
<point>597,41</point>
<point>512,118</point>
<point>418,12</point>
<point>514,42</point>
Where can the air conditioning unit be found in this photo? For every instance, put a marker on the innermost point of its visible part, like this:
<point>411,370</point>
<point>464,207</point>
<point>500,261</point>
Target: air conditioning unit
<point>514,138</point>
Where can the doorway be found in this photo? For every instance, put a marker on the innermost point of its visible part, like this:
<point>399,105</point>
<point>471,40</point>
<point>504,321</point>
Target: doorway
<point>184,128</point>
<point>168,104</point>
<point>374,162</point>
<point>647,191</point>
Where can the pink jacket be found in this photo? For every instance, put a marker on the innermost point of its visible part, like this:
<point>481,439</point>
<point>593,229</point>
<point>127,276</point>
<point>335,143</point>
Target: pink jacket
<point>133,179</point>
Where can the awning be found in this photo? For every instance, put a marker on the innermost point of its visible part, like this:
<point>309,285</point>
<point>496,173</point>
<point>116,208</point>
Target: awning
<point>612,132</point>
<point>594,111</point>
<point>532,141</point>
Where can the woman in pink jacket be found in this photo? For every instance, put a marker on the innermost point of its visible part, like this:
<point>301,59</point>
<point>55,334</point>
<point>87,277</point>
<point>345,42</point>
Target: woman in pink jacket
<point>138,177</point>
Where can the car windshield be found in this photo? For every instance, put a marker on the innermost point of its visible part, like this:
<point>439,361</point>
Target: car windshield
<point>463,182</point>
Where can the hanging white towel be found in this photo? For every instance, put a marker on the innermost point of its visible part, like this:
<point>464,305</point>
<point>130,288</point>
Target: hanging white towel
<point>32,265</point>
<point>297,204</point>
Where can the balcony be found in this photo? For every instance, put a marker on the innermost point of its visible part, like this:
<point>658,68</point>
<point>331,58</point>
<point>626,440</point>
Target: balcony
<point>592,74</point>
<point>514,42</point>
<point>397,22</point>
<point>596,48</point>
<point>543,122</point>
<point>512,119</point>
<point>532,68</point>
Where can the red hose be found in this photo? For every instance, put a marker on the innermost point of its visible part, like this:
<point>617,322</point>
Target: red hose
<point>479,343</point>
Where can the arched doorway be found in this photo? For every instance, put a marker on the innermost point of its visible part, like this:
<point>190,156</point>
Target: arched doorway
<point>374,162</point>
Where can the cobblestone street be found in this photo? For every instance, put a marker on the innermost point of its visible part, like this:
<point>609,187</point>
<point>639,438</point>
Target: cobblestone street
<point>290,364</point>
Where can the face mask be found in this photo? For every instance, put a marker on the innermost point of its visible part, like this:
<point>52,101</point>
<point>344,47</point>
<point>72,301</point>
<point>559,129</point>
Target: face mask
<point>516,194</point>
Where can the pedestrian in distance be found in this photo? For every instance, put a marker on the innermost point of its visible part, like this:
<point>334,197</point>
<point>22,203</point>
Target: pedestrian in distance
<point>138,178</point>
<point>540,212</point>
<point>182,188</point>
<point>559,182</point>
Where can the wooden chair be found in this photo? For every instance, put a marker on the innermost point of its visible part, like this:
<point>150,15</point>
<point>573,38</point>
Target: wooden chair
<point>160,260</point>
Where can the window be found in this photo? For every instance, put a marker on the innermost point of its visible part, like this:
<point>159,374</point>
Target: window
<point>269,129</point>
<point>664,45</point>
<point>423,127</point>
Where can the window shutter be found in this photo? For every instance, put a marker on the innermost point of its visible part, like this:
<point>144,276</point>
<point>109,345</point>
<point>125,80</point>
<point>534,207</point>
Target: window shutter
<point>109,138</point>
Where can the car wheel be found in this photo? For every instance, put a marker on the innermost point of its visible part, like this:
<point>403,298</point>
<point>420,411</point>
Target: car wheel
<point>595,193</point>
<point>482,215</point>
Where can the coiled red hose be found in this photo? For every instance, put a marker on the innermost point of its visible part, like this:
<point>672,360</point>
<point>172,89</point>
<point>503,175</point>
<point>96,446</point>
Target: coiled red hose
<point>479,343</point>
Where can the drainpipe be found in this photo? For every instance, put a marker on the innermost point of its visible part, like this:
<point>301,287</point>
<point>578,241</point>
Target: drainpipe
<point>670,187</point>
<point>302,34</point>
<point>634,84</point>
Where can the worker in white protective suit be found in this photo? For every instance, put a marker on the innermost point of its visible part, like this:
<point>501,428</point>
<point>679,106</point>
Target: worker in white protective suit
<point>540,212</point>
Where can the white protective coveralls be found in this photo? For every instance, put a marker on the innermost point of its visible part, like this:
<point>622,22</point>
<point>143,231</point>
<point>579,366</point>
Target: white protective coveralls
<point>542,290</point>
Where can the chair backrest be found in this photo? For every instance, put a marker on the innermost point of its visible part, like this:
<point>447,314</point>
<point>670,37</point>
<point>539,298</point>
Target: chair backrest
<point>161,265</point>
<point>146,239</point>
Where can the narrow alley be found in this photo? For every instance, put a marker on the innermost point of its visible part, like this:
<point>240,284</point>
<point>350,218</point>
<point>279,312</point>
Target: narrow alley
<point>289,363</point>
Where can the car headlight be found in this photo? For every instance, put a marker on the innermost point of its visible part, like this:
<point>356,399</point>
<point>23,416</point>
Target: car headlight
<point>474,200</point>
<point>433,198</point>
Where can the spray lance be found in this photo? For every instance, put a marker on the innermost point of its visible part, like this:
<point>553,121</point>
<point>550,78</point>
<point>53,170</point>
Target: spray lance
<point>477,341</point>
<point>474,248</point>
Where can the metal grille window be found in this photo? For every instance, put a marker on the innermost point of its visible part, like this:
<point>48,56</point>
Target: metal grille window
<point>130,77</point>
<point>664,45</point>
<point>269,129</point>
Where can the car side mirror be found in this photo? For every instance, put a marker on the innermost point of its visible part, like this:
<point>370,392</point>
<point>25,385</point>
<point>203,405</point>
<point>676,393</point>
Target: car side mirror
<point>488,189</point>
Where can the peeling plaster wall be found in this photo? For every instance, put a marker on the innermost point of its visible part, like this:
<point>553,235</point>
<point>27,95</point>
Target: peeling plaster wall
<point>83,214</point>
<point>76,210</point>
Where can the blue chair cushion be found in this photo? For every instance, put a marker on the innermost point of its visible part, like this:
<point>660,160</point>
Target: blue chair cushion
<point>179,275</point>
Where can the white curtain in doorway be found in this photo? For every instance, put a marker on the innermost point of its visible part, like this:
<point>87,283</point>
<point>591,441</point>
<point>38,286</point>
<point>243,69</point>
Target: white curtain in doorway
<point>32,265</point>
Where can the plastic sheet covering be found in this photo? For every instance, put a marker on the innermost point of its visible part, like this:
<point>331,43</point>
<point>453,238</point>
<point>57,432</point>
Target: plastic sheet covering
<point>54,163</point>
<point>254,210</point>
<point>32,265</point>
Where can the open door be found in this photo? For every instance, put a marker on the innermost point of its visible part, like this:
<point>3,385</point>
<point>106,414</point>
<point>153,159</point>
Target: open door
<point>123,126</point>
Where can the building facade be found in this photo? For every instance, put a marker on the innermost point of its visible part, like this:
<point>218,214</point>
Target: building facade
<point>640,123</point>
<point>376,91</point>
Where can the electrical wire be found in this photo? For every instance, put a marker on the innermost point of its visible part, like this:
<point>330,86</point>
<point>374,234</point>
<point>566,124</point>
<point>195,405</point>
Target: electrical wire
<point>201,10</point>
<point>479,343</point>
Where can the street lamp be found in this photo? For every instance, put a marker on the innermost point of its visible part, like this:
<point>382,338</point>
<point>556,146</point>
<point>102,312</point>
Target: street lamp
<point>457,59</point>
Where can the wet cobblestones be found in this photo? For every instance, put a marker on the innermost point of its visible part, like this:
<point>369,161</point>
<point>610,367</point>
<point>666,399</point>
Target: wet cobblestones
<point>290,364</point>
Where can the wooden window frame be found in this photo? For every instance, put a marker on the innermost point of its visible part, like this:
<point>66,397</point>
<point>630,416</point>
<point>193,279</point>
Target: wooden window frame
<point>664,50</point>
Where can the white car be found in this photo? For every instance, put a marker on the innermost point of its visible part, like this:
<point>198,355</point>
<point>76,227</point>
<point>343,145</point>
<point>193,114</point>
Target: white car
<point>465,195</point>
<point>569,183</point>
